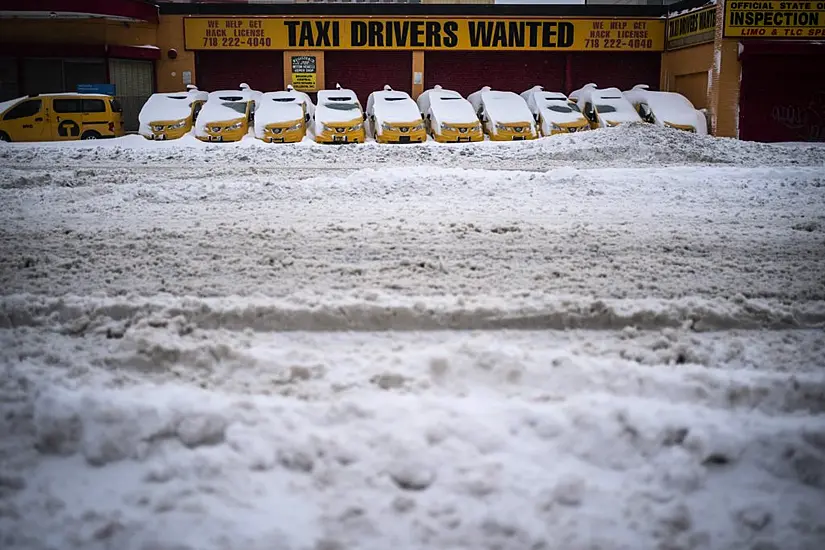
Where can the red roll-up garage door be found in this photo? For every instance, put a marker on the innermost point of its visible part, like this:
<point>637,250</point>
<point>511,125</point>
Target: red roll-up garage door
<point>365,72</point>
<point>263,71</point>
<point>782,92</point>
<point>467,72</point>
<point>620,70</point>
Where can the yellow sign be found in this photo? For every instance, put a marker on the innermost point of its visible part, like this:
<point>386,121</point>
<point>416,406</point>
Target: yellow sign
<point>321,33</point>
<point>692,28</point>
<point>304,82</point>
<point>775,19</point>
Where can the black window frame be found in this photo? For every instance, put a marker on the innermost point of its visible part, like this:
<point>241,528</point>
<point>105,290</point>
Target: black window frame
<point>60,100</point>
<point>11,111</point>
<point>85,104</point>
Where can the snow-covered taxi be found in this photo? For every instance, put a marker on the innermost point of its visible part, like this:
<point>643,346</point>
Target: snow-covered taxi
<point>395,117</point>
<point>449,117</point>
<point>172,115</point>
<point>604,108</point>
<point>503,115</point>
<point>282,117</point>
<point>339,117</point>
<point>553,112</point>
<point>227,115</point>
<point>667,109</point>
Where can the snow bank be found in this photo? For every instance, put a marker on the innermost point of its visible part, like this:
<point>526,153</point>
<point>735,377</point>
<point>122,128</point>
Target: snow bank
<point>627,145</point>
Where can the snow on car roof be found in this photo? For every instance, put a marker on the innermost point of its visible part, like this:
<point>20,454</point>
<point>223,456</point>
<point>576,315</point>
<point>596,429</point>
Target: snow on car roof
<point>427,96</point>
<point>392,106</point>
<point>232,95</point>
<point>337,95</point>
<point>166,107</point>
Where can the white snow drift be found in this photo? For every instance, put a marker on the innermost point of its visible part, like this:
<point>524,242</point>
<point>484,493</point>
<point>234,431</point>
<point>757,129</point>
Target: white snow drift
<point>606,340</point>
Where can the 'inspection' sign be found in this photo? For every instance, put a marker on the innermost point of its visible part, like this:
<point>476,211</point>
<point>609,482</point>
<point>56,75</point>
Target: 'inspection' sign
<point>775,19</point>
<point>290,33</point>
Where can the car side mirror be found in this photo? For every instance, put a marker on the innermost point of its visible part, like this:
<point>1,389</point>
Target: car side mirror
<point>429,116</point>
<point>306,117</point>
<point>536,117</point>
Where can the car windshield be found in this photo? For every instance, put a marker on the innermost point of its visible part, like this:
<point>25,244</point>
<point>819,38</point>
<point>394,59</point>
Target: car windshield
<point>284,99</point>
<point>394,98</point>
<point>449,98</point>
<point>240,107</point>
<point>605,108</point>
<point>341,105</point>
<point>177,97</point>
<point>559,106</point>
<point>231,98</point>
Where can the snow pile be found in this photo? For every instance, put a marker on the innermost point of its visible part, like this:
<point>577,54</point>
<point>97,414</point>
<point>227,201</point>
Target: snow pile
<point>627,145</point>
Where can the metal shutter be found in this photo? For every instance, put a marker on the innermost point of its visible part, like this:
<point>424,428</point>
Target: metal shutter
<point>220,70</point>
<point>782,97</point>
<point>467,72</point>
<point>133,82</point>
<point>622,70</point>
<point>365,72</point>
<point>9,87</point>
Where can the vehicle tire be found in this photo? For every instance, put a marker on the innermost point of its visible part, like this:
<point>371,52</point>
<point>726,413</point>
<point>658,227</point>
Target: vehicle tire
<point>90,134</point>
<point>4,137</point>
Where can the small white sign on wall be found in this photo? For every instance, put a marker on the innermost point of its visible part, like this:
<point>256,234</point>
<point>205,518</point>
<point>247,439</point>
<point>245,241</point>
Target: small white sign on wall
<point>187,77</point>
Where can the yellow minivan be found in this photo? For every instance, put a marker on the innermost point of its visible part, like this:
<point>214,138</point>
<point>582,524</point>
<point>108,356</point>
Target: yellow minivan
<point>60,117</point>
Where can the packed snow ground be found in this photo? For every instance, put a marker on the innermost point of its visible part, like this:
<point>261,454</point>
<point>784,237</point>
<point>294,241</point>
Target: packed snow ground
<point>582,342</point>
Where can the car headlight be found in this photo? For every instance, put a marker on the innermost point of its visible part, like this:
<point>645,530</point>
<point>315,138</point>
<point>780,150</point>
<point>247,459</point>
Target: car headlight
<point>357,127</point>
<point>157,127</point>
<point>293,127</point>
<point>236,126</point>
<point>555,127</point>
<point>418,127</point>
<point>501,127</point>
<point>327,128</point>
<point>179,124</point>
<point>386,126</point>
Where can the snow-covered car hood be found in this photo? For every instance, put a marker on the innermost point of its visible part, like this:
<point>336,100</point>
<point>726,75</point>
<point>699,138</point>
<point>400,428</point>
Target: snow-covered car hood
<point>453,110</point>
<point>274,112</point>
<point>396,110</point>
<point>506,107</point>
<point>166,107</point>
<point>332,112</point>
<point>220,111</point>
<point>614,109</point>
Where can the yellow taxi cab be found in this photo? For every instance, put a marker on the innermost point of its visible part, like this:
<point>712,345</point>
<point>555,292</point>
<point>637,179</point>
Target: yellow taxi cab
<point>504,115</point>
<point>227,115</point>
<point>450,117</point>
<point>282,117</point>
<point>554,113</point>
<point>669,109</point>
<point>61,117</point>
<point>172,115</point>
<point>395,117</point>
<point>339,117</point>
